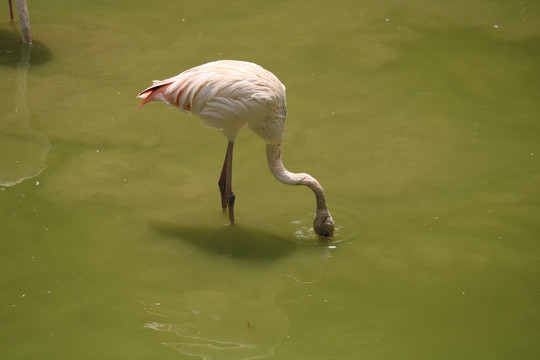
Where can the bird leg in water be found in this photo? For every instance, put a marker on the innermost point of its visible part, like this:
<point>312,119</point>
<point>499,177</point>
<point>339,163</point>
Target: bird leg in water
<point>222,183</point>
<point>10,10</point>
<point>225,183</point>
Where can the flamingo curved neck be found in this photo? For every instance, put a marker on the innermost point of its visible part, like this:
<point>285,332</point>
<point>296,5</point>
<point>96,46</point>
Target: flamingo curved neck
<point>273,156</point>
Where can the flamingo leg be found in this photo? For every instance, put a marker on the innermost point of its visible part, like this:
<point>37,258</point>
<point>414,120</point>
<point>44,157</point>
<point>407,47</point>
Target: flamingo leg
<point>10,10</point>
<point>24,19</point>
<point>222,183</point>
<point>225,183</point>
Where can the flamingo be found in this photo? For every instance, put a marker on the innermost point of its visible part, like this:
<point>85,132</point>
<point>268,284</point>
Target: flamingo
<point>231,95</point>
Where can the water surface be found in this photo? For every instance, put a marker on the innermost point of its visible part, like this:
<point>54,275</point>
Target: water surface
<point>419,119</point>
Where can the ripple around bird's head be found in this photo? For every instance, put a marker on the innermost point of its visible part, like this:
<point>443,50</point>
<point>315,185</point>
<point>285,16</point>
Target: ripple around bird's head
<point>299,219</point>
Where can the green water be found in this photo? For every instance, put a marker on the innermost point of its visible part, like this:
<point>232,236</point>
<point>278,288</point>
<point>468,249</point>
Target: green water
<point>419,118</point>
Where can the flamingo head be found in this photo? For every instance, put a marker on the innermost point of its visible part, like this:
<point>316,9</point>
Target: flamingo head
<point>323,225</point>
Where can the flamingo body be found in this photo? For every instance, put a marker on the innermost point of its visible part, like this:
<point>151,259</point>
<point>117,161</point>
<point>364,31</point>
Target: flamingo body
<point>232,95</point>
<point>227,95</point>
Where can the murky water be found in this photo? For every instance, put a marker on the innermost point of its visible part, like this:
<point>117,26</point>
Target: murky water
<point>419,119</point>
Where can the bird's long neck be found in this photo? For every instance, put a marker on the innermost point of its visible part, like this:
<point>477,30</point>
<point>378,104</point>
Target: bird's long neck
<point>273,156</point>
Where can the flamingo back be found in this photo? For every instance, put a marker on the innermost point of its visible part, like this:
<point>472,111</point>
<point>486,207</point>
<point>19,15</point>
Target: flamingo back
<point>227,95</point>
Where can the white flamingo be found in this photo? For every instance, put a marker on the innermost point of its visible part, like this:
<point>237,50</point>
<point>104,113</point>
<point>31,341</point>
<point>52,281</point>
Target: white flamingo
<point>231,95</point>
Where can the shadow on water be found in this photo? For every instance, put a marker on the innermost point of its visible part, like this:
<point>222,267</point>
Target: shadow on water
<point>12,49</point>
<point>233,241</point>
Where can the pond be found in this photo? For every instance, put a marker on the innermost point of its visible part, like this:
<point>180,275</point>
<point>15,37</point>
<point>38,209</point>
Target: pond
<point>420,120</point>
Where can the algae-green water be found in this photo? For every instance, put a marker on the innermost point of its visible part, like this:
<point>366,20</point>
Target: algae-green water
<point>420,120</point>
